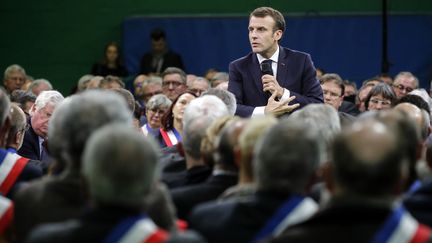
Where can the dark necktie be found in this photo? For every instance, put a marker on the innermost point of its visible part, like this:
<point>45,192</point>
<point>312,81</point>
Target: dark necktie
<point>266,67</point>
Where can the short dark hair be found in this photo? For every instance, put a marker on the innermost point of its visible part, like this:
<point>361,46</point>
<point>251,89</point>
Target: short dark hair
<point>279,19</point>
<point>415,100</point>
<point>157,34</point>
<point>335,78</point>
<point>381,89</point>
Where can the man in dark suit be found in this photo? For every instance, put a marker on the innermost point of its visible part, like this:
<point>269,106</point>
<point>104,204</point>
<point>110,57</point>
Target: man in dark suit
<point>286,158</point>
<point>56,198</point>
<point>35,138</point>
<point>271,69</point>
<point>366,176</point>
<point>160,57</point>
<point>117,191</point>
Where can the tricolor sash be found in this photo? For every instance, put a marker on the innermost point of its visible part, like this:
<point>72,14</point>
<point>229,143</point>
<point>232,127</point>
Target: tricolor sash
<point>136,229</point>
<point>401,227</point>
<point>171,137</point>
<point>144,129</point>
<point>10,168</point>
<point>6,213</point>
<point>294,210</point>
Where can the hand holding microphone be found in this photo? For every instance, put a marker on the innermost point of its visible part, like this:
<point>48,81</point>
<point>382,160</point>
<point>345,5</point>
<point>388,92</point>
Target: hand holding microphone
<point>270,84</point>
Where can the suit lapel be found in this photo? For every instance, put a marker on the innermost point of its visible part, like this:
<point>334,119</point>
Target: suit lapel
<point>255,72</point>
<point>282,68</point>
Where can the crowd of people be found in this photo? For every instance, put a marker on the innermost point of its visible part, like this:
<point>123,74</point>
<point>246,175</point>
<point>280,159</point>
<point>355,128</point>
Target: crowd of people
<point>273,150</point>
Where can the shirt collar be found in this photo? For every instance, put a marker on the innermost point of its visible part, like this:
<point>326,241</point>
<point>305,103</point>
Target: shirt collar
<point>274,57</point>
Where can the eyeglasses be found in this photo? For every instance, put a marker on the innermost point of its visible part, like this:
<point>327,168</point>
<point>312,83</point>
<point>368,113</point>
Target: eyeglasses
<point>331,94</point>
<point>174,83</point>
<point>401,87</point>
<point>158,111</point>
<point>377,101</point>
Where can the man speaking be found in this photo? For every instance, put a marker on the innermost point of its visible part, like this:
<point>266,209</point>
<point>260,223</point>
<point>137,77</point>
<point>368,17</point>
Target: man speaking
<point>271,76</point>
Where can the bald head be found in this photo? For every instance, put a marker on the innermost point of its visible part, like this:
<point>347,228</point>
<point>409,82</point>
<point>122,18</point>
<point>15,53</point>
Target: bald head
<point>413,111</point>
<point>368,159</point>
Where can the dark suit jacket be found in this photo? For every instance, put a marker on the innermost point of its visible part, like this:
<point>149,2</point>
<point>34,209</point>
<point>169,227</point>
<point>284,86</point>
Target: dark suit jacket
<point>30,147</point>
<point>185,198</point>
<point>30,172</point>
<point>340,222</point>
<point>94,226</point>
<point>50,199</point>
<point>295,72</point>
<point>419,204</point>
<point>235,220</point>
<point>170,59</point>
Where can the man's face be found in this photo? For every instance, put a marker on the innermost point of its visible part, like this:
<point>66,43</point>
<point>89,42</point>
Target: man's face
<point>261,36</point>
<point>172,86</point>
<point>332,94</point>
<point>158,46</point>
<point>40,119</point>
<point>150,90</point>
<point>14,81</point>
<point>199,86</point>
<point>403,85</point>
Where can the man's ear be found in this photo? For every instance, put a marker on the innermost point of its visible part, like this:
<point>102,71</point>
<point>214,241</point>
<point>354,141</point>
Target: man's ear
<point>327,174</point>
<point>277,35</point>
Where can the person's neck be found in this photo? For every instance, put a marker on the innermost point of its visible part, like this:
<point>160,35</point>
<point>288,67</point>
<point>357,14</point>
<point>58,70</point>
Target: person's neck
<point>178,125</point>
<point>269,52</point>
<point>245,178</point>
<point>192,162</point>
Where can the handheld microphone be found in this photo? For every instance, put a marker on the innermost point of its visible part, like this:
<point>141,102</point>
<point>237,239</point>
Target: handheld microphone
<point>266,68</point>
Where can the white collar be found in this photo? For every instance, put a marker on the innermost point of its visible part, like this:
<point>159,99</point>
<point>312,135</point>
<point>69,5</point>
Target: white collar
<point>274,57</point>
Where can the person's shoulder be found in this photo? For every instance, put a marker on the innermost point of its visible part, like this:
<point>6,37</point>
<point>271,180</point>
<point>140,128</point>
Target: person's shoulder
<point>55,232</point>
<point>291,52</point>
<point>244,59</point>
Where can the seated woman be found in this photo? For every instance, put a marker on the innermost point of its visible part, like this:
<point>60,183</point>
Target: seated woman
<point>156,108</point>
<point>380,97</point>
<point>111,64</point>
<point>172,122</point>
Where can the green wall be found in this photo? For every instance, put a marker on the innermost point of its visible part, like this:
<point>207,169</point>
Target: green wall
<point>59,40</point>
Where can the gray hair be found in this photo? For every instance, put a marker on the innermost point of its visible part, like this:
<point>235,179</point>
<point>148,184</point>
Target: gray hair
<point>286,157</point>
<point>158,101</point>
<point>152,80</point>
<point>39,81</point>
<point>119,165</point>
<point>321,117</point>
<point>83,82</point>
<point>18,122</point>
<point>209,106</point>
<point>227,97</point>
<point>408,75</point>
<point>193,133</point>
<point>78,116</point>
<point>368,159</point>
<point>174,70</point>
<point>5,105</point>
<point>52,97</point>
<point>13,68</point>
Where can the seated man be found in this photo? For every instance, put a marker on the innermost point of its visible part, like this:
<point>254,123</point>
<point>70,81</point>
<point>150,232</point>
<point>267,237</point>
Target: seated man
<point>366,175</point>
<point>286,158</point>
<point>119,167</point>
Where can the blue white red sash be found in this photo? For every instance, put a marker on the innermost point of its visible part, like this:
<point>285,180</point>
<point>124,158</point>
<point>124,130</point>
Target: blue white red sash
<point>136,229</point>
<point>171,137</point>
<point>401,227</point>
<point>10,168</point>
<point>294,210</point>
<point>6,213</point>
<point>144,129</point>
